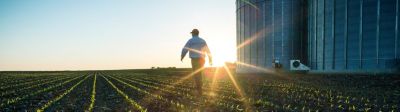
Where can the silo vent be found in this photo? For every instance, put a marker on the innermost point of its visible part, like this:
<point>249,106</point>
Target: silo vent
<point>296,65</point>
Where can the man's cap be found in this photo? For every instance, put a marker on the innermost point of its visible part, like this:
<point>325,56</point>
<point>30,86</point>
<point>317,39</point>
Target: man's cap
<point>195,31</point>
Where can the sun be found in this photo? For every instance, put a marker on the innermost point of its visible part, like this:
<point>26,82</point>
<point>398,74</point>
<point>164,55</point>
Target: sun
<point>221,55</point>
<point>219,61</point>
<point>222,44</point>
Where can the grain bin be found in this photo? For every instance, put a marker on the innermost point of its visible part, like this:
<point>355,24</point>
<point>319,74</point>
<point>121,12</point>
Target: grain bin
<point>269,30</point>
<point>353,35</point>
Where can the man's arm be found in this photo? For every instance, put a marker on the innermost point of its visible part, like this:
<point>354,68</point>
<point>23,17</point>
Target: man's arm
<point>185,50</point>
<point>207,50</point>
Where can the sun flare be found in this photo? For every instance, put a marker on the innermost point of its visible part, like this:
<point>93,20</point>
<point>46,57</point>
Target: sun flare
<point>219,60</point>
<point>222,52</point>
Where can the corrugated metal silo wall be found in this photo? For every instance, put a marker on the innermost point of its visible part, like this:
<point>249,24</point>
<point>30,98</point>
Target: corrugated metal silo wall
<point>268,30</point>
<point>353,35</point>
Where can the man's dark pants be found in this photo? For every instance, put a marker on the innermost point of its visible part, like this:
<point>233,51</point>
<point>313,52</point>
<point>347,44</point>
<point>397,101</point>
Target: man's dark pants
<point>198,63</point>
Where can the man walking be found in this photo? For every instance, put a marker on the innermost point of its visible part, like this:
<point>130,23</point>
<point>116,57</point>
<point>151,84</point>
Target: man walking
<point>198,49</point>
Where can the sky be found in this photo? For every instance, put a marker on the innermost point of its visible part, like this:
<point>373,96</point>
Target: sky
<point>111,34</point>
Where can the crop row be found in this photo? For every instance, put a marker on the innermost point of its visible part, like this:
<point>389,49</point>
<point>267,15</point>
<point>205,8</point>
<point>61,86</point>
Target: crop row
<point>132,102</point>
<point>135,91</point>
<point>46,88</point>
<point>49,103</point>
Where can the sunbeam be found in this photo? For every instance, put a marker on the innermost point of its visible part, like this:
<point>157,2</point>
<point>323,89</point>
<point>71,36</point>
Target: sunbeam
<point>238,88</point>
<point>149,98</point>
<point>264,70</point>
<point>257,68</point>
<point>248,41</point>
<point>234,81</point>
<point>254,37</point>
<point>194,50</point>
<point>189,75</point>
<point>251,4</point>
<point>213,83</point>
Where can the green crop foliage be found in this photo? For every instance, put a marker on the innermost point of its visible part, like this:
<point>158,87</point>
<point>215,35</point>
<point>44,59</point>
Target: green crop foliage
<point>146,90</point>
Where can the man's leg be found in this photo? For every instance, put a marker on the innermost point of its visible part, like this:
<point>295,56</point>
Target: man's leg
<point>198,63</point>
<point>199,83</point>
